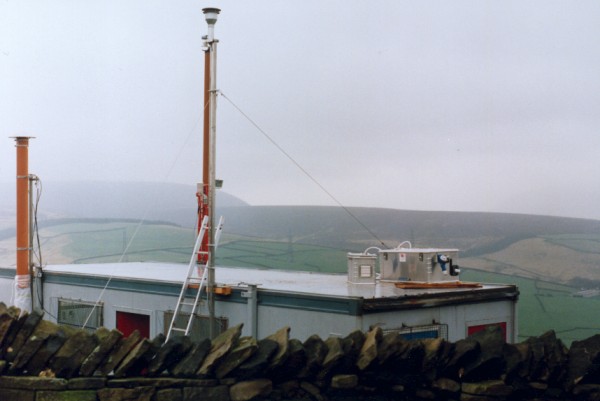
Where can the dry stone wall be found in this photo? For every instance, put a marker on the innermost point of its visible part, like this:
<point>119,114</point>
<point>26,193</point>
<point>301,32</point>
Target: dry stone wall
<point>41,361</point>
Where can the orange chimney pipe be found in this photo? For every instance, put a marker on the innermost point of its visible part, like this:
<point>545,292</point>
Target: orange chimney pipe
<point>203,198</point>
<point>23,277</point>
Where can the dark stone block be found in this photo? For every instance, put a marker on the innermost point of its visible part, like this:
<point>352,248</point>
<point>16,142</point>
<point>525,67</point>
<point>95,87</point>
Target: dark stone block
<point>169,394</point>
<point>218,393</point>
<point>169,354</point>
<point>244,349</point>
<point>294,363</point>
<point>106,344</point>
<point>29,324</point>
<point>7,319</point>
<point>446,387</point>
<point>132,358</point>
<point>411,360</point>
<point>71,395</point>
<point>333,359</point>
<point>86,383</point>
<point>489,364</point>
<point>433,349</point>
<point>32,383</point>
<point>123,347</point>
<point>126,394</point>
<point>538,368</point>
<point>11,326</point>
<point>369,350</point>
<point>140,367</point>
<point>493,388</point>
<point>352,345</point>
<point>17,395</point>
<point>40,359</point>
<point>43,331</point>
<point>465,352</point>
<point>282,338</point>
<point>517,358</point>
<point>159,382</point>
<point>587,392</point>
<point>67,361</point>
<point>258,362</point>
<point>391,347</point>
<point>249,390</point>
<point>446,354</point>
<point>316,351</point>
<point>220,347</point>
<point>344,382</point>
<point>580,368</point>
<point>556,355</point>
<point>188,365</point>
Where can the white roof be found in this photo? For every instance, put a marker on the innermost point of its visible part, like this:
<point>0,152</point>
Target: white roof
<point>267,279</point>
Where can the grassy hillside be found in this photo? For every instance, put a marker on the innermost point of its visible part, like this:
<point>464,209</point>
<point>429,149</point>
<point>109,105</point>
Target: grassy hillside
<point>473,233</point>
<point>547,306</point>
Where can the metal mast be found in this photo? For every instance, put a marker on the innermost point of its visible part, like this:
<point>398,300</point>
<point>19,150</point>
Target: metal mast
<point>211,15</point>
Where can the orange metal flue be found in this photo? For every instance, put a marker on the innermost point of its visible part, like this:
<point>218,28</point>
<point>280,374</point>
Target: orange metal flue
<point>203,206</point>
<point>22,145</point>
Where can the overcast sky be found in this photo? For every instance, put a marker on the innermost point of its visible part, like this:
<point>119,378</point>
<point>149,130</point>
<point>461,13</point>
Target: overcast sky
<point>427,105</point>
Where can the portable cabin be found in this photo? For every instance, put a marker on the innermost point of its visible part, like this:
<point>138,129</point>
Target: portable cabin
<point>142,296</point>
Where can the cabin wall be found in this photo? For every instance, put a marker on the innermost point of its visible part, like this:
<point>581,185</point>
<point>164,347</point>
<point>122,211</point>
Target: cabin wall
<point>151,304</point>
<point>324,324</point>
<point>113,301</point>
<point>458,318</point>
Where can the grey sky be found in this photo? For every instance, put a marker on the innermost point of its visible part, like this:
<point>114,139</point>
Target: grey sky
<point>437,105</point>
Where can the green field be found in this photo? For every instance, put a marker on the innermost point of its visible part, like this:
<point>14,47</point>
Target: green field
<point>579,242</point>
<point>547,306</point>
<point>91,243</point>
<point>126,242</point>
<point>542,305</point>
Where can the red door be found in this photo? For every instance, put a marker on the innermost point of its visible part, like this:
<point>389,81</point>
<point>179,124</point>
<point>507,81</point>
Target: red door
<point>475,329</point>
<point>128,322</point>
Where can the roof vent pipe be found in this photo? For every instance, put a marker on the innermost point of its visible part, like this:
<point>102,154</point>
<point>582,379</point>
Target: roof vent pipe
<point>211,15</point>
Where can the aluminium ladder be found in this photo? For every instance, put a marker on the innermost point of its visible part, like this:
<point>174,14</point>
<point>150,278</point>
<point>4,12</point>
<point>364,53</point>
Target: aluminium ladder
<point>191,302</point>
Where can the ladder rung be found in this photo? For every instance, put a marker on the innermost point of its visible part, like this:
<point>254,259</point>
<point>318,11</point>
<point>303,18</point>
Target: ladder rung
<point>177,329</point>
<point>187,303</point>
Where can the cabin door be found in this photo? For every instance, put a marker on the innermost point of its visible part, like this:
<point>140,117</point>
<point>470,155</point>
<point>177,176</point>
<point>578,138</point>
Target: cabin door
<point>127,322</point>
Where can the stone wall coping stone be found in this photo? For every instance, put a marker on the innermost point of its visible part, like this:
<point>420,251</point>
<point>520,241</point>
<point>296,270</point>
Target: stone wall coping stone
<point>33,383</point>
<point>159,382</point>
<point>69,395</point>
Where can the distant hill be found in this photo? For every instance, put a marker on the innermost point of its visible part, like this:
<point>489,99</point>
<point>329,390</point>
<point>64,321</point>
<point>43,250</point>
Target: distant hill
<point>552,248</point>
<point>154,201</point>
<point>473,233</point>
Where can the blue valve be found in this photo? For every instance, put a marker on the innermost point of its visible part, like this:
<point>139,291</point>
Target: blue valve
<point>443,261</point>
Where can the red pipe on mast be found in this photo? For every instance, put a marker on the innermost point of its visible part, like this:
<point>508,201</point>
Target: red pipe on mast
<point>23,276</point>
<point>204,195</point>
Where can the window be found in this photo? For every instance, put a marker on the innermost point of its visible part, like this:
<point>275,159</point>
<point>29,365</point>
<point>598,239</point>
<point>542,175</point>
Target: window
<point>75,313</point>
<point>421,332</point>
<point>200,329</point>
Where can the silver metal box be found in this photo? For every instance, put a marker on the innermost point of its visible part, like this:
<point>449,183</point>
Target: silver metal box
<point>427,265</point>
<point>361,268</point>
